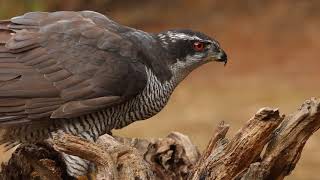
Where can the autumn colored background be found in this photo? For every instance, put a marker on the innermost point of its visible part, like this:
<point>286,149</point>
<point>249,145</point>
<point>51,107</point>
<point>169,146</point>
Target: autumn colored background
<point>273,48</point>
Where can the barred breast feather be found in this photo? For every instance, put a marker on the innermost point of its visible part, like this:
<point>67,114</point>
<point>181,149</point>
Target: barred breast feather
<point>77,72</point>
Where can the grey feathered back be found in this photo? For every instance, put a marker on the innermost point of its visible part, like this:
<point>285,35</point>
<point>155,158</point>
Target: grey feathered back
<point>64,64</point>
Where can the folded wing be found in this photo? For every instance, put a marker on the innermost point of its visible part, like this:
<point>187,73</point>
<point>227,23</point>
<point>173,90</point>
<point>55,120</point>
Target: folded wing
<point>64,64</point>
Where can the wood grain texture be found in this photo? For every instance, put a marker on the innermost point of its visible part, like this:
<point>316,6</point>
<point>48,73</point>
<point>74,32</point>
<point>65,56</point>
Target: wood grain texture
<point>268,146</point>
<point>284,150</point>
<point>230,158</point>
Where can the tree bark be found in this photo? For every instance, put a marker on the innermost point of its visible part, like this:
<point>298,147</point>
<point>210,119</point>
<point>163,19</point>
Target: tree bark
<point>268,146</point>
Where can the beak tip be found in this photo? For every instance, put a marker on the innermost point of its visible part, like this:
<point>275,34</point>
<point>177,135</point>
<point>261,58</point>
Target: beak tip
<point>223,58</point>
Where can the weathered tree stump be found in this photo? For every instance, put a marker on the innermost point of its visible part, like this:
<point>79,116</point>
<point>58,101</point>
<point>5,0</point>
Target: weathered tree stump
<point>268,146</point>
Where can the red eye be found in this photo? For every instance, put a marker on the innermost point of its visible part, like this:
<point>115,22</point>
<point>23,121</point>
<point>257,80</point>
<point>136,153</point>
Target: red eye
<point>198,46</point>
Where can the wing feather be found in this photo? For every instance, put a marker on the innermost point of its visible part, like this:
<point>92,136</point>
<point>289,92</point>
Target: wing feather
<point>62,65</point>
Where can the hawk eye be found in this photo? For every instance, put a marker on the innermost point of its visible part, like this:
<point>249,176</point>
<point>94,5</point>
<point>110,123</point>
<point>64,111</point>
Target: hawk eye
<point>198,46</point>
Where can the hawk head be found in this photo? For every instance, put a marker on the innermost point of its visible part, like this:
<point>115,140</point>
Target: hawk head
<point>188,50</point>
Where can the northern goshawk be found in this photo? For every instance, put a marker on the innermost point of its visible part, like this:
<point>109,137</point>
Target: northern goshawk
<point>84,74</point>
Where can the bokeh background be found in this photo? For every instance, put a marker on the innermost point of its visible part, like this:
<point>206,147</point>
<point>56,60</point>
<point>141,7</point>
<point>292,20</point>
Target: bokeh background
<point>273,48</point>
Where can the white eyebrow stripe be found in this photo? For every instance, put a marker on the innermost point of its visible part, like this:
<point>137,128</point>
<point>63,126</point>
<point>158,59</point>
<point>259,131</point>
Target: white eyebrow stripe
<point>183,36</point>
<point>172,37</point>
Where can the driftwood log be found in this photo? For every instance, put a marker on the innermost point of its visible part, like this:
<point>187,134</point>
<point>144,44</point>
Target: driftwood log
<point>268,146</point>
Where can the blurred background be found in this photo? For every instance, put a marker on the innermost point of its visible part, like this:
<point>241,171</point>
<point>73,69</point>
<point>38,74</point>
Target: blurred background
<point>273,48</point>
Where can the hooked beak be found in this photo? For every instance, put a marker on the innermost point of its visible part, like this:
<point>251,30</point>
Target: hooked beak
<point>221,56</point>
